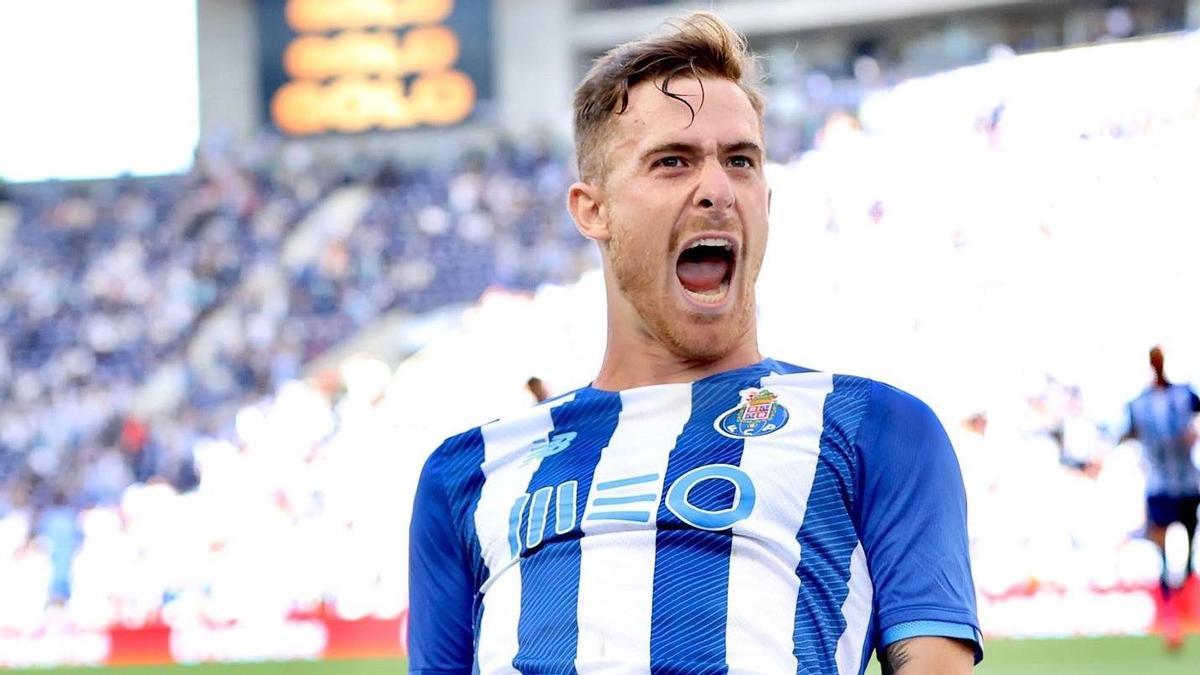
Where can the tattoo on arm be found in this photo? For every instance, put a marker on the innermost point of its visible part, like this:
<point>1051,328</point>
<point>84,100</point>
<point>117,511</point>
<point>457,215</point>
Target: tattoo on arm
<point>895,657</point>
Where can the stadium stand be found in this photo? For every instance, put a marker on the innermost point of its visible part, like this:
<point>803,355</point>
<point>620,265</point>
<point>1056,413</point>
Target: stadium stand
<point>215,288</point>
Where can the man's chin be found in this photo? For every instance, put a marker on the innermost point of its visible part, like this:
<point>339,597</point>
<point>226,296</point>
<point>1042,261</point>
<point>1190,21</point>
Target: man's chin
<point>704,339</point>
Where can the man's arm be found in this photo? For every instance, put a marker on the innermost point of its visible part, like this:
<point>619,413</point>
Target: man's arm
<point>912,516</point>
<point>1131,432</point>
<point>441,592</point>
<point>929,656</point>
<point>1189,431</point>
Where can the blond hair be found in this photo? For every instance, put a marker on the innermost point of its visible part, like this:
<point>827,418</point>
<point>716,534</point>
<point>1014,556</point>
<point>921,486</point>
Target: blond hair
<point>699,44</point>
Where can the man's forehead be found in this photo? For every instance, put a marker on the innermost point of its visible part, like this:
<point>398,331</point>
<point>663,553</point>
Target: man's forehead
<point>723,113</point>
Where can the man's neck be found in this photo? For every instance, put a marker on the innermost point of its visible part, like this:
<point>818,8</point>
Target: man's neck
<point>640,361</point>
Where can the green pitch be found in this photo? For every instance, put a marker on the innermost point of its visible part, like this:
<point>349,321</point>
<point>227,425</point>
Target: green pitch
<point>1098,656</point>
<point>1086,656</point>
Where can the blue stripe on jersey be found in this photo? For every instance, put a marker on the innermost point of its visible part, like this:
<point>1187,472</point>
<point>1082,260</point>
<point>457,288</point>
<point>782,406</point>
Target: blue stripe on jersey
<point>691,566</point>
<point>828,537</point>
<point>463,480</point>
<point>868,645</point>
<point>548,628</point>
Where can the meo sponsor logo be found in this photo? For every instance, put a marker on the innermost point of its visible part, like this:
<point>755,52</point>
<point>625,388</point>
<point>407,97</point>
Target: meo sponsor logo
<point>629,500</point>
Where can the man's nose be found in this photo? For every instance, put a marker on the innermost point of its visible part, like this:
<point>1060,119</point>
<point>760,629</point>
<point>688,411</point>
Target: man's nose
<point>714,191</point>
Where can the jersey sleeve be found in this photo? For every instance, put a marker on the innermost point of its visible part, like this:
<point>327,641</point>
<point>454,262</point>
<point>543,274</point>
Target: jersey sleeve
<point>441,595</point>
<point>912,516</point>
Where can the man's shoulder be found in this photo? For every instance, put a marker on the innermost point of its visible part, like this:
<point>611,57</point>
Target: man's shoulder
<point>457,444</point>
<point>881,407</point>
<point>881,395</point>
<point>470,442</point>
<point>1142,404</point>
<point>889,398</point>
<point>1185,388</point>
<point>862,407</point>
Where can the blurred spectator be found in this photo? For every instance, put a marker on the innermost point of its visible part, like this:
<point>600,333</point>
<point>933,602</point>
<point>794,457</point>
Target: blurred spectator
<point>537,388</point>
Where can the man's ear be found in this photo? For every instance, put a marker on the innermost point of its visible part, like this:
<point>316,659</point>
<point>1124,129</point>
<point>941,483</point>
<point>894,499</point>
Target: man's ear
<point>584,201</point>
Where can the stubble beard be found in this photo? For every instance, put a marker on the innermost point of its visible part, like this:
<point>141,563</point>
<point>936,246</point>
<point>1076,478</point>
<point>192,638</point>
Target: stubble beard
<point>694,339</point>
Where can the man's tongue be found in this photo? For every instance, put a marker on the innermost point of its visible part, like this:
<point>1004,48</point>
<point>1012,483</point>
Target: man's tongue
<point>702,273</point>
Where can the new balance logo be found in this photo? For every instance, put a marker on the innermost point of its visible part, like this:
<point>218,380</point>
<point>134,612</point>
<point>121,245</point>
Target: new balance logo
<point>542,449</point>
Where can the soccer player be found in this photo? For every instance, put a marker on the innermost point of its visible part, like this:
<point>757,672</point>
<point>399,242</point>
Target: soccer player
<point>1161,418</point>
<point>698,508</point>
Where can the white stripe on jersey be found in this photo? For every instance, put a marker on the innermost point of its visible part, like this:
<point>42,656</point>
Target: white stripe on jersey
<point>616,567</point>
<point>763,585</point>
<point>504,445</point>
<point>857,612</point>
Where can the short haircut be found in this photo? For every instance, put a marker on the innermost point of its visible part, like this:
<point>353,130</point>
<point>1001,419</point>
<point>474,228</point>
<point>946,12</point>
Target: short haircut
<point>700,44</point>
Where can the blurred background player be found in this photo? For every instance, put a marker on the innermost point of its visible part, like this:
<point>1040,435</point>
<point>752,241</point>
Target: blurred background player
<point>1162,419</point>
<point>537,388</point>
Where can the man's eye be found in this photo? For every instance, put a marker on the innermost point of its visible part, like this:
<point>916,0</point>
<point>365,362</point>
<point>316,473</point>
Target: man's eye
<point>741,162</point>
<point>672,162</point>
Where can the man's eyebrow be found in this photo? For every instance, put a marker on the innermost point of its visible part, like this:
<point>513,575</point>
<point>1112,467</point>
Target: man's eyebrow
<point>681,148</point>
<point>743,147</point>
<point>749,147</point>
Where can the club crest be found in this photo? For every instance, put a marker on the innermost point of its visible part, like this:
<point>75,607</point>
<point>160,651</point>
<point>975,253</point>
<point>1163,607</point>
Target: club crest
<point>759,414</point>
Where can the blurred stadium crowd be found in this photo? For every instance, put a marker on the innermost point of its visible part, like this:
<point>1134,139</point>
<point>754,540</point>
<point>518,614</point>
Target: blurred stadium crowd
<point>157,418</point>
<point>107,287</point>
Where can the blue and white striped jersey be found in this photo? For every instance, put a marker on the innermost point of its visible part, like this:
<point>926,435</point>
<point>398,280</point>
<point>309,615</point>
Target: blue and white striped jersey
<point>1159,418</point>
<point>768,519</point>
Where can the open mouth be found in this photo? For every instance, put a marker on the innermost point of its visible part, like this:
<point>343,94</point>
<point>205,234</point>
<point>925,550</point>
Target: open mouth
<point>705,268</point>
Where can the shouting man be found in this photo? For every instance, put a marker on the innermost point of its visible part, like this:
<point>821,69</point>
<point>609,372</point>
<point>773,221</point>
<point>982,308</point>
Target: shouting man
<point>698,508</point>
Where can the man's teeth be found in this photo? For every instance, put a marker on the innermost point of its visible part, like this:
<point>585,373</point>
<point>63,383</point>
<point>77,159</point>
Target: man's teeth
<point>712,241</point>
